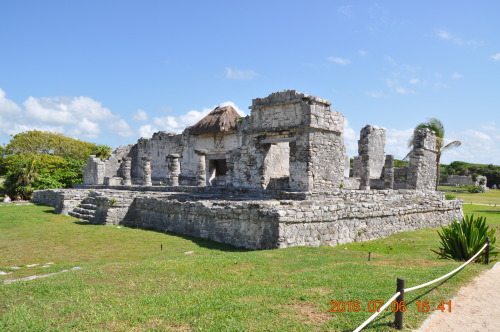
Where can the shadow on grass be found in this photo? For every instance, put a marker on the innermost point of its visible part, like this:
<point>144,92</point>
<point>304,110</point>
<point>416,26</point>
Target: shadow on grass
<point>486,211</point>
<point>204,243</point>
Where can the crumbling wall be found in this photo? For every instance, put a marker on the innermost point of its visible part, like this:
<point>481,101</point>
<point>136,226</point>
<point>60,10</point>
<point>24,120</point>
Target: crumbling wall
<point>422,168</point>
<point>113,163</point>
<point>314,134</point>
<point>372,143</point>
<point>93,171</point>
<point>466,180</point>
<point>157,148</point>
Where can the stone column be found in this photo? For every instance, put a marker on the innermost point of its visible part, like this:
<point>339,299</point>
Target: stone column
<point>146,171</point>
<point>173,168</point>
<point>422,168</point>
<point>127,167</point>
<point>389,172</point>
<point>364,184</point>
<point>201,170</point>
<point>347,166</point>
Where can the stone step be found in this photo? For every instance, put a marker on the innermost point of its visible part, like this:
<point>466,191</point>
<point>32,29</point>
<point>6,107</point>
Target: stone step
<point>84,217</point>
<point>84,211</point>
<point>89,206</point>
<point>89,200</point>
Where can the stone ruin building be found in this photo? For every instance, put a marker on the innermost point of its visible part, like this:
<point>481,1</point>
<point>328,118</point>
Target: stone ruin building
<point>277,178</point>
<point>467,180</point>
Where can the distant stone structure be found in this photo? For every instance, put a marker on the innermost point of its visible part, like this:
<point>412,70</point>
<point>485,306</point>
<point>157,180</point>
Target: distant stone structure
<point>466,180</point>
<point>276,178</point>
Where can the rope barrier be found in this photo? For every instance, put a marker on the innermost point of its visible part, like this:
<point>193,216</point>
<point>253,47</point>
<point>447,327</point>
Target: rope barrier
<point>372,317</point>
<point>446,275</point>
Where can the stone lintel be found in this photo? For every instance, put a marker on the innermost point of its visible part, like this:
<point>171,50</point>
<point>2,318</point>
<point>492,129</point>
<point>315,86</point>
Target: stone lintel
<point>278,140</point>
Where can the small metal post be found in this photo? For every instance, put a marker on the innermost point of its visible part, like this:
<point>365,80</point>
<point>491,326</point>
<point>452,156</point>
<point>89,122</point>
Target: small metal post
<point>398,316</point>
<point>487,253</point>
<point>161,247</point>
<point>369,254</point>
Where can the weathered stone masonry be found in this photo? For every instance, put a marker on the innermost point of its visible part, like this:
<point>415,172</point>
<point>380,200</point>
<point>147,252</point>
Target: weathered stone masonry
<point>274,179</point>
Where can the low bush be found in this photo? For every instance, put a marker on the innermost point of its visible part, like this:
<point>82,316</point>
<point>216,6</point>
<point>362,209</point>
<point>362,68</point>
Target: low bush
<point>449,197</point>
<point>475,189</point>
<point>462,240</point>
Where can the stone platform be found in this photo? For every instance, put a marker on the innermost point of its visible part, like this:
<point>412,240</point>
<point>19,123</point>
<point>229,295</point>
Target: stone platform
<point>257,220</point>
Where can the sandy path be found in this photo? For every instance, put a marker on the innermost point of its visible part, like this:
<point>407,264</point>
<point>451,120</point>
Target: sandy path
<point>475,308</point>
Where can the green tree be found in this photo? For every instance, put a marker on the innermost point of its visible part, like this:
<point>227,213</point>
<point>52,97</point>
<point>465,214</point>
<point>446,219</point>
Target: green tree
<point>42,160</point>
<point>438,128</point>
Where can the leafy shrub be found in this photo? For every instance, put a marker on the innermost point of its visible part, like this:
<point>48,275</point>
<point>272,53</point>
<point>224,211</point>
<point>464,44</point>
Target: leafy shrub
<point>449,197</point>
<point>475,189</point>
<point>462,240</point>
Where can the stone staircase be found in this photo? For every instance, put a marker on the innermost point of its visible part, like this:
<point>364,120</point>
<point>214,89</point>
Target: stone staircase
<point>85,210</point>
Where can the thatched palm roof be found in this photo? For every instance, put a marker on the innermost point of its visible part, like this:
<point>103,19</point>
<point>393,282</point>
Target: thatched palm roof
<point>221,119</point>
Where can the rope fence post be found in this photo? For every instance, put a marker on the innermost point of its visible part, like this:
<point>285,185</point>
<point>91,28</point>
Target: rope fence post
<point>398,316</point>
<point>487,253</point>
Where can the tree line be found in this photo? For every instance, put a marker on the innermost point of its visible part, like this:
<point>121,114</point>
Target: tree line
<point>42,160</point>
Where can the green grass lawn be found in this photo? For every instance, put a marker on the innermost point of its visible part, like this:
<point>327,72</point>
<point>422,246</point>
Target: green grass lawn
<point>128,283</point>
<point>490,197</point>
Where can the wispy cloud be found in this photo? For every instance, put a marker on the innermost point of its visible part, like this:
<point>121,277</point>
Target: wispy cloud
<point>239,74</point>
<point>362,52</point>
<point>345,10</point>
<point>456,76</point>
<point>375,95</point>
<point>396,86</point>
<point>414,81</point>
<point>496,57</point>
<point>340,61</point>
<point>446,35</point>
<point>140,115</point>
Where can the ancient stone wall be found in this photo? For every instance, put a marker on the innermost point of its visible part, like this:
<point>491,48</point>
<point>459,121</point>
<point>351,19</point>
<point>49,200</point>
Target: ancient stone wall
<point>93,171</point>
<point>63,200</point>
<point>372,142</point>
<point>466,180</point>
<point>113,163</point>
<point>422,168</point>
<point>322,218</point>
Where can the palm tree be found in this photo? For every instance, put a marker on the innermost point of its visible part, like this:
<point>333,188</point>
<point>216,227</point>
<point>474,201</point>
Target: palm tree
<point>437,127</point>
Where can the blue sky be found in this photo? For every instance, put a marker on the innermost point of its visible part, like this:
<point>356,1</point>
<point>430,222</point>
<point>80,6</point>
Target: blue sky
<point>112,71</point>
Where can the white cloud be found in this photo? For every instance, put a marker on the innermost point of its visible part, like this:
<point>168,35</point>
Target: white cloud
<point>239,74</point>
<point>80,117</point>
<point>350,139</point>
<point>121,128</point>
<point>477,147</point>
<point>414,81</point>
<point>490,126</point>
<point>340,61</point>
<point>362,53</point>
<point>8,107</point>
<point>140,115</point>
<point>445,35</point>
<point>230,103</point>
<point>496,57</point>
<point>456,76</point>
<point>176,124</point>
<point>66,110</point>
<point>147,131</point>
<point>86,128</point>
<point>396,142</point>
